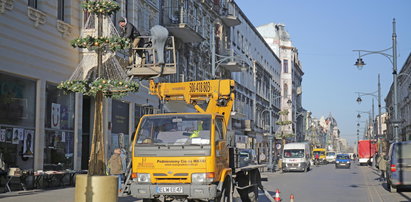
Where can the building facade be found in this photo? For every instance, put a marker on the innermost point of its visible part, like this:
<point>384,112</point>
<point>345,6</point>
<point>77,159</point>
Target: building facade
<point>291,76</point>
<point>404,104</point>
<point>42,126</point>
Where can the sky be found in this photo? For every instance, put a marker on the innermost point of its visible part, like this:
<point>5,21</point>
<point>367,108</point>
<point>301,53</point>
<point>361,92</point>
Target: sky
<point>325,32</point>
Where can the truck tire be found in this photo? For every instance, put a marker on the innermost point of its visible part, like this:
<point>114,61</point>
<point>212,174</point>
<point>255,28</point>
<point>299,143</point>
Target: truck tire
<point>392,189</point>
<point>226,193</point>
<point>151,200</point>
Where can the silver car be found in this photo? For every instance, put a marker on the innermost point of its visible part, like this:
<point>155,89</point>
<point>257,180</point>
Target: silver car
<point>399,165</point>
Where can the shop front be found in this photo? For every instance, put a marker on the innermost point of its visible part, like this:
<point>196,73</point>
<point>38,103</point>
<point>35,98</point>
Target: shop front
<point>17,121</point>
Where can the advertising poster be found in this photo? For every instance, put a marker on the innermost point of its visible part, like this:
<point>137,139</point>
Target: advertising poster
<point>63,136</point>
<point>64,117</point>
<point>69,148</point>
<point>15,139</point>
<point>28,143</point>
<point>55,115</point>
<point>2,135</point>
<point>51,140</point>
<point>9,135</point>
<point>21,133</point>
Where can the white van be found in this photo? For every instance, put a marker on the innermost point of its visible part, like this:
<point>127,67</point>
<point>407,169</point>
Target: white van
<point>296,157</point>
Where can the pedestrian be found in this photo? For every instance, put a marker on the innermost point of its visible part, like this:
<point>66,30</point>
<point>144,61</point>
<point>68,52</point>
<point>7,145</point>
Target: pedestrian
<point>116,167</point>
<point>128,30</point>
<point>382,166</point>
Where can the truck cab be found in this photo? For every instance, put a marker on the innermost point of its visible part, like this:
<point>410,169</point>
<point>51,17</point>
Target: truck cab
<point>321,154</point>
<point>181,155</point>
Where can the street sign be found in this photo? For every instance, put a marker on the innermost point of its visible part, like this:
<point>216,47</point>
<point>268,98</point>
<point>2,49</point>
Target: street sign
<point>278,146</point>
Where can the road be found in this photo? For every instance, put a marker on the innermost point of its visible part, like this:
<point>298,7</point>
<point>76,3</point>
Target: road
<point>324,183</point>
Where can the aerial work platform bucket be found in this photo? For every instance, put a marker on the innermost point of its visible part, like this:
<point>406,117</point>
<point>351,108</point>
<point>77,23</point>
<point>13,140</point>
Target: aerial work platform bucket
<point>156,61</point>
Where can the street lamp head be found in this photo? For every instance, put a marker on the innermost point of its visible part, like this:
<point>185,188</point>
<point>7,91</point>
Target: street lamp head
<point>358,130</point>
<point>359,100</point>
<point>359,63</point>
<point>358,116</point>
<point>358,124</point>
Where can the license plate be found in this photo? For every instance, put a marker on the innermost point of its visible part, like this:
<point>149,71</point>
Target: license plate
<point>170,189</point>
<point>343,164</point>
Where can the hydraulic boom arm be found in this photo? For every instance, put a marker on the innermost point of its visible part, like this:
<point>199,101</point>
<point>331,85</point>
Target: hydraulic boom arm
<point>219,94</point>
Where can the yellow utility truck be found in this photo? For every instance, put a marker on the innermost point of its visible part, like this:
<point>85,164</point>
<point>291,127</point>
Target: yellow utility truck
<point>321,155</point>
<point>189,156</point>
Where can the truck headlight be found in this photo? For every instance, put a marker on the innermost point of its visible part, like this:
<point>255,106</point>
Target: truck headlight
<point>143,177</point>
<point>202,178</point>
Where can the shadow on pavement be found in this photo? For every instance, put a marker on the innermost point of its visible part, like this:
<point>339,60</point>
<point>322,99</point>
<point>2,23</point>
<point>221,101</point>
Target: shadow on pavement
<point>23,193</point>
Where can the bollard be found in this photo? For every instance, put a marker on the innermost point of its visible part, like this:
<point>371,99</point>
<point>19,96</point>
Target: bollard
<point>291,198</point>
<point>277,195</point>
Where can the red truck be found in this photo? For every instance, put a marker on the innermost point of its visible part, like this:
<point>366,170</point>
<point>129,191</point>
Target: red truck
<point>366,151</point>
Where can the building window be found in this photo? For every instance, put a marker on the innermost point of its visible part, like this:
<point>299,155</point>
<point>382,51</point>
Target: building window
<point>32,3</point>
<point>285,66</point>
<point>60,10</point>
<point>59,129</point>
<point>17,121</point>
<point>285,90</point>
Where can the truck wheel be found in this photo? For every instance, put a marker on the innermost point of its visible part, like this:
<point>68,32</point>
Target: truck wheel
<point>392,189</point>
<point>226,193</point>
<point>151,200</point>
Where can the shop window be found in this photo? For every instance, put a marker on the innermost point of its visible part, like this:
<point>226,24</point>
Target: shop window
<point>58,150</point>
<point>59,108</point>
<point>17,101</point>
<point>59,124</point>
<point>17,121</point>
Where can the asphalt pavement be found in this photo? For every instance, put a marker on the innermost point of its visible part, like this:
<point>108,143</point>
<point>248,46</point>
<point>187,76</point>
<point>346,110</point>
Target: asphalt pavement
<point>324,183</point>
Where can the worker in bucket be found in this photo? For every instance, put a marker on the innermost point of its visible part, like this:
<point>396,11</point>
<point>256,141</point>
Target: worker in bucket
<point>128,30</point>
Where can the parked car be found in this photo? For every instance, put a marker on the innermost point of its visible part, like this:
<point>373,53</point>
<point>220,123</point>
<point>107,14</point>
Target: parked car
<point>399,165</point>
<point>342,160</point>
<point>330,157</point>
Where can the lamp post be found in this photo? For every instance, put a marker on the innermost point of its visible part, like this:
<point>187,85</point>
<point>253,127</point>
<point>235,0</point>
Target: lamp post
<point>393,59</point>
<point>371,121</point>
<point>378,97</point>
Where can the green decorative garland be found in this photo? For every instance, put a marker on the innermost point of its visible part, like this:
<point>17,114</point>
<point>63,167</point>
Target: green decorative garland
<point>100,7</point>
<point>104,43</point>
<point>110,88</point>
<point>282,123</point>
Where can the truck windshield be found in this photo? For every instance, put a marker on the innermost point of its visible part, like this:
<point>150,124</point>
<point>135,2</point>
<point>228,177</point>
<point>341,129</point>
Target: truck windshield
<point>320,153</point>
<point>175,130</point>
<point>293,153</point>
<point>331,154</point>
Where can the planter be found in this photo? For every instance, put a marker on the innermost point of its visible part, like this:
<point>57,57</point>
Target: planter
<point>96,188</point>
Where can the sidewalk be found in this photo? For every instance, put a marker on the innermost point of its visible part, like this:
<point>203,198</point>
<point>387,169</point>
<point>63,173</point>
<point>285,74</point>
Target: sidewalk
<point>378,191</point>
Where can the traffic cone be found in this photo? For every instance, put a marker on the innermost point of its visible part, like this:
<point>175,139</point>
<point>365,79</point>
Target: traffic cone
<point>292,198</point>
<point>277,195</point>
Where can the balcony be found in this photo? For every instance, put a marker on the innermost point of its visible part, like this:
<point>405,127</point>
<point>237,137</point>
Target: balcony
<point>184,24</point>
<point>233,66</point>
<point>229,16</point>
